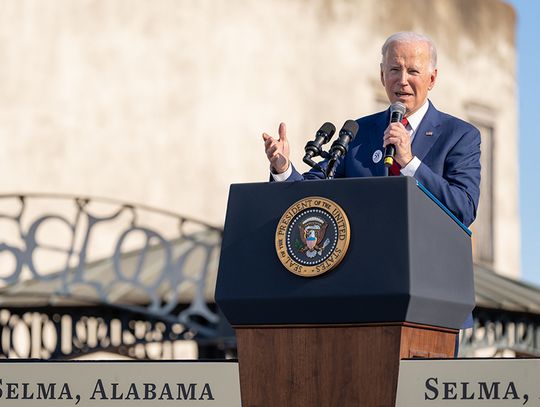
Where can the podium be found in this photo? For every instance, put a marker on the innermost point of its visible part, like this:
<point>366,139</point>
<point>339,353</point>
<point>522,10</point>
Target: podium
<point>402,290</point>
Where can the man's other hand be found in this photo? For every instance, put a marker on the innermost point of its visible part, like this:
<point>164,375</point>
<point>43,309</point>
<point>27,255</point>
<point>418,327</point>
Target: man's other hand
<point>278,150</point>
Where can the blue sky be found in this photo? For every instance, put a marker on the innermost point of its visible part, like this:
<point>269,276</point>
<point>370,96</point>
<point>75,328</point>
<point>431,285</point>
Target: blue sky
<point>528,45</point>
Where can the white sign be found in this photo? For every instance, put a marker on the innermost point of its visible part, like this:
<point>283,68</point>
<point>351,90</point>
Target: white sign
<point>469,382</point>
<point>112,383</point>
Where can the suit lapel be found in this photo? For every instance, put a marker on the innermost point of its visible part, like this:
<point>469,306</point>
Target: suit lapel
<point>427,133</point>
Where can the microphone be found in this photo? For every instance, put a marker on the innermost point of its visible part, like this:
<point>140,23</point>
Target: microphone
<point>341,145</point>
<point>397,111</point>
<point>314,148</point>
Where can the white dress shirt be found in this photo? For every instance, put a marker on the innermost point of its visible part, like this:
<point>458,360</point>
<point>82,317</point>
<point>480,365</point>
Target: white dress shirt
<point>414,121</point>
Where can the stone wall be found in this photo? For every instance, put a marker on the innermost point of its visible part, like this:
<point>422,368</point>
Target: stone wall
<point>163,102</point>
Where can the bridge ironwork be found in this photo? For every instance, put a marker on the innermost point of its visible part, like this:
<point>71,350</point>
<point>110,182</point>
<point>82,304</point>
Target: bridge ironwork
<point>84,274</point>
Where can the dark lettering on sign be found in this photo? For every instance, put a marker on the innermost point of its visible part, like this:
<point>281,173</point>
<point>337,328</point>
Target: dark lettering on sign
<point>166,393</point>
<point>465,392</point>
<point>449,391</point>
<point>471,391</point>
<point>190,391</point>
<point>206,392</point>
<point>430,385</point>
<point>132,393</point>
<point>511,390</point>
<point>151,391</point>
<point>99,390</point>
<point>46,393</point>
<point>491,393</point>
<point>37,391</point>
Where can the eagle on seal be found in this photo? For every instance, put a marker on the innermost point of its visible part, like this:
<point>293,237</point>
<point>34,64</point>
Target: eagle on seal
<point>312,233</point>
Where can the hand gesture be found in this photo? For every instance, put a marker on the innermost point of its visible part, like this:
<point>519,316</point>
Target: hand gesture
<point>277,151</point>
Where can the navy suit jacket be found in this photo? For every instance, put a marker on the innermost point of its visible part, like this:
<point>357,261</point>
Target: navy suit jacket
<point>449,149</point>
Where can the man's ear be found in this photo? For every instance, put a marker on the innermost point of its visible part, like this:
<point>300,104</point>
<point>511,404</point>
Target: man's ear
<point>382,75</point>
<point>432,79</point>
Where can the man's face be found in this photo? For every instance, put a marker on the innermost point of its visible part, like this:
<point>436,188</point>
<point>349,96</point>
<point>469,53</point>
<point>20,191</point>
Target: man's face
<point>407,75</point>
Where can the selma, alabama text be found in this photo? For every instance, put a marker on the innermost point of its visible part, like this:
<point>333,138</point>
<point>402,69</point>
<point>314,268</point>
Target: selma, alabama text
<point>106,391</point>
<point>472,391</point>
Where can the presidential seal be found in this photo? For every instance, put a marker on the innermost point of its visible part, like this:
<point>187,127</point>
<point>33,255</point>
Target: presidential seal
<point>312,236</point>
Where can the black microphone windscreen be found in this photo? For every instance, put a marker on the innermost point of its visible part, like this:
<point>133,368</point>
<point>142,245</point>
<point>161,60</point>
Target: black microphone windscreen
<point>398,107</point>
<point>350,126</point>
<point>328,128</point>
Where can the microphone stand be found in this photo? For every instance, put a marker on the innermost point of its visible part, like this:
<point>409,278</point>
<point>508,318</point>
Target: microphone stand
<point>331,168</point>
<point>317,166</point>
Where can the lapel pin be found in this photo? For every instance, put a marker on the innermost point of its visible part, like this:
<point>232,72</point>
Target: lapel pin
<point>429,133</point>
<point>377,155</point>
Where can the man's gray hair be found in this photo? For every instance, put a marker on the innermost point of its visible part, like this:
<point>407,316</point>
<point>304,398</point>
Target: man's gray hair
<point>409,36</point>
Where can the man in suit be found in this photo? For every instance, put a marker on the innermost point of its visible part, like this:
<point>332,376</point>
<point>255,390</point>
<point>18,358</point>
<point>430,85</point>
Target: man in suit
<point>442,152</point>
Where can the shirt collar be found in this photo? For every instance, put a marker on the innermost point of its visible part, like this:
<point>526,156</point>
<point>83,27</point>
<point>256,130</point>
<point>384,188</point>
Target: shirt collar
<point>415,118</point>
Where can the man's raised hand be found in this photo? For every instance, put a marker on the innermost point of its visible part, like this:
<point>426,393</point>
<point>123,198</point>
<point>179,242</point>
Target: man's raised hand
<point>277,151</point>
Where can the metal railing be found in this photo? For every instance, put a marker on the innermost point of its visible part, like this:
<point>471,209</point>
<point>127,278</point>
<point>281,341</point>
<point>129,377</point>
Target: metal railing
<point>78,253</point>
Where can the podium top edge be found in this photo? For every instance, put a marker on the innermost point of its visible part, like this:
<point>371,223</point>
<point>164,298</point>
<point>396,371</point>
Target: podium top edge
<point>375,179</point>
<point>444,208</point>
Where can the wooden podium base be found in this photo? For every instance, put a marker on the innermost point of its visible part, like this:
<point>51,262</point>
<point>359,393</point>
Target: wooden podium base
<point>341,366</point>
